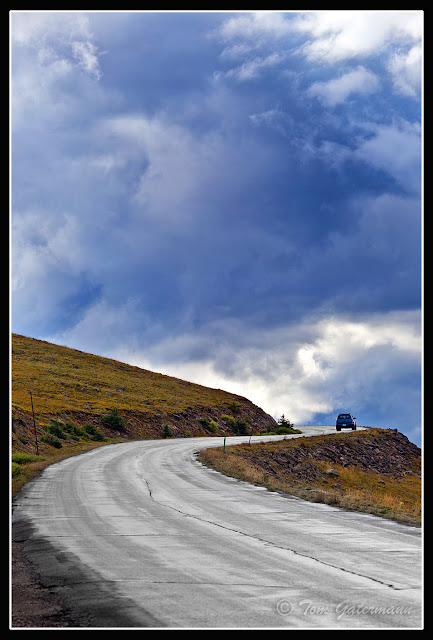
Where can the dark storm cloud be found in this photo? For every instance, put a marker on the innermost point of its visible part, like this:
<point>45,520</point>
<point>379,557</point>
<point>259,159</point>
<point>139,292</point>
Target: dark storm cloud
<point>196,190</point>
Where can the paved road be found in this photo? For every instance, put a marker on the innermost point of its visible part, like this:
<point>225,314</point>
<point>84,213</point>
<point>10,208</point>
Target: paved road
<point>140,534</point>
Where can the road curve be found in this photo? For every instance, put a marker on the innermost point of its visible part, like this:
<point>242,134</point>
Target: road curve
<point>140,534</point>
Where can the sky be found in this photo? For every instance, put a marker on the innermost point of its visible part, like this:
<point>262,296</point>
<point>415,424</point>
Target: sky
<point>232,198</point>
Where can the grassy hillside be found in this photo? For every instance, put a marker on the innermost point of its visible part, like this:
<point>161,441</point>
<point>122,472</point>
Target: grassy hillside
<point>73,389</point>
<point>66,379</point>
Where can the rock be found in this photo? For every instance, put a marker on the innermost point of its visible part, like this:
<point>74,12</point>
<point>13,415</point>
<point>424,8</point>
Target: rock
<point>332,472</point>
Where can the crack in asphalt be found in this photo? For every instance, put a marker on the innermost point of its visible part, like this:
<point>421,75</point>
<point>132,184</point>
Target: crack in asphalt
<point>270,543</point>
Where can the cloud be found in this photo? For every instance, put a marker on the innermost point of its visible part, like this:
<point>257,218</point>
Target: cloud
<point>396,149</point>
<point>358,81</point>
<point>334,37</point>
<point>253,25</point>
<point>49,48</point>
<point>345,35</point>
<point>406,70</point>
<point>252,68</point>
<point>323,367</point>
<point>85,54</point>
<point>223,208</point>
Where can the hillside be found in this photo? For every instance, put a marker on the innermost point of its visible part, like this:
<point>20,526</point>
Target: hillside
<point>72,390</point>
<point>376,470</point>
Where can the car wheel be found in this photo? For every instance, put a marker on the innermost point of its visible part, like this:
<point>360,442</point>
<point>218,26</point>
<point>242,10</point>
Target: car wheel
<point>354,428</point>
<point>338,428</point>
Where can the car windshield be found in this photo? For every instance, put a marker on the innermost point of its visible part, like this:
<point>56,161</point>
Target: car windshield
<point>344,416</point>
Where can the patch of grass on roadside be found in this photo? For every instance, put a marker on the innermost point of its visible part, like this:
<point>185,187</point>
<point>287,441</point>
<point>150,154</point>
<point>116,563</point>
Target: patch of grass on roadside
<point>25,467</point>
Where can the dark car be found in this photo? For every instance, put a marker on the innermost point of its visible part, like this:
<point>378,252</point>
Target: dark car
<point>345,420</point>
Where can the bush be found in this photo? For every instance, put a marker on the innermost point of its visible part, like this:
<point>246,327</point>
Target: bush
<point>208,424</point>
<point>113,420</point>
<point>74,431</point>
<point>212,426</point>
<point>56,429</point>
<point>239,427</point>
<point>279,431</point>
<point>24,458</point>
<point>16,470</point>
<point>166,432</point>
<point>235,408</point>
<point>51,440</point>
<point>94,432</point>
<point>284,423</point>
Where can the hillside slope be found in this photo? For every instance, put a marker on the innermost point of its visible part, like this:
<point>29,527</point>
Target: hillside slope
<point>77,388</point>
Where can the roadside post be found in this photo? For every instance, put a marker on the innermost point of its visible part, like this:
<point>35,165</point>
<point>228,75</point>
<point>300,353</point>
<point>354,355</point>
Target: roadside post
<point>34,425</point>
<point>224,447</point>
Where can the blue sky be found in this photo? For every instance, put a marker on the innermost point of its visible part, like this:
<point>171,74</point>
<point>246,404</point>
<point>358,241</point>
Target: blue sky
<point>231,198</point>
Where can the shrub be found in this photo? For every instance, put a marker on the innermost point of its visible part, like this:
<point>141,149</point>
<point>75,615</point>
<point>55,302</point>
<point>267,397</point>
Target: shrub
<point>56,429</point>
<point>283,422</point>
<point>74,430</point>
<point>51,440</point>
<point>212,426</point>
<point>24,458</point>
<point>94,432</point>
<point>166,432</point>
<point>241,428</point>
<point>235,408</point>
<point>113,420</point>
<point>16,470</point>
<point>208,424</point>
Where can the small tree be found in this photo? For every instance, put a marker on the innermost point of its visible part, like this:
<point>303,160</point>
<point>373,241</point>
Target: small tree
<point>113,420</point>
<point>283,422</point>
<point>166,432</point>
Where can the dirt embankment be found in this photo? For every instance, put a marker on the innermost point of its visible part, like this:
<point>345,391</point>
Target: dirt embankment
<point>377,471</point>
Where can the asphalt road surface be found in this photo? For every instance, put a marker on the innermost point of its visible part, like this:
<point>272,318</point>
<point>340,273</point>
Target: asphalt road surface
<point>140,534</point>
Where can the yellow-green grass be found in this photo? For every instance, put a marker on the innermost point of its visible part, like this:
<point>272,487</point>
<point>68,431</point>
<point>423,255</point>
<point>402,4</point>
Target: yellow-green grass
<point>63,379</point>
<point>77,388</point>
<point>386,495</point>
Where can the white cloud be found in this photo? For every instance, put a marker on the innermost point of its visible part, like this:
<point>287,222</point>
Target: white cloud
<point>256,25</point>
<point>393,148</point>
<point>406,70</point>
<point>360,81</point>
<point>396,149</point>
<point>343,35</point>
<point>333,37</point>
<point>47,47</point>
<point>173,161</point>
<point>329,365</point>
<point>252,68</point>
<point>86,55</point>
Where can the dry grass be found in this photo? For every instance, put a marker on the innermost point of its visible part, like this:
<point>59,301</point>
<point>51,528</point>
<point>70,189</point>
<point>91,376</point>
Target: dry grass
<point>398,498</point>
<point>63,379</point>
